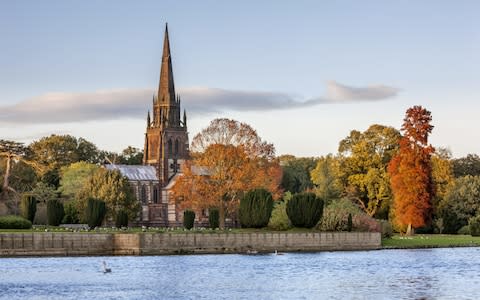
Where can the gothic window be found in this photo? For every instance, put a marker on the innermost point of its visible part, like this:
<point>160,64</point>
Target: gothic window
<point>176,147</point>
<point>169,147</point>
<point>155,195</point>
<point>143,194</point>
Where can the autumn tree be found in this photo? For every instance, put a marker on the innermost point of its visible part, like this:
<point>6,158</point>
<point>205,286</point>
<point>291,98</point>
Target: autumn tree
<point>325,178</point>
<point>228,159</point>
<point>411,171</point>
<point>363,160</point>
<point>442,175</point>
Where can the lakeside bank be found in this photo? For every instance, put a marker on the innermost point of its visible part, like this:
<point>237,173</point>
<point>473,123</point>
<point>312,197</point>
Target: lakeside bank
<point>98,244</point>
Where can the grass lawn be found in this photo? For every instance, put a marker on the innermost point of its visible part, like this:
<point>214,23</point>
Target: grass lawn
<point>430,241</point>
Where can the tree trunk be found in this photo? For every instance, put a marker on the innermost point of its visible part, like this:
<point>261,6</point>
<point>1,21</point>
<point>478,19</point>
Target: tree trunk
<point>410,230</point>
<point>3,194</point>
<point>221,216</point>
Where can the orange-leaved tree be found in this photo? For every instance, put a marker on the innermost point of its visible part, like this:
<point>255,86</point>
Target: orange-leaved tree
<point>228,158</point>
<point>411,172</point>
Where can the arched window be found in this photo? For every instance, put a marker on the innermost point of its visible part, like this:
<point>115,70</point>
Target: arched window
<point>155,195</point>
<point>176,147</point>
<point>143,194</point>
<point>169,147</point>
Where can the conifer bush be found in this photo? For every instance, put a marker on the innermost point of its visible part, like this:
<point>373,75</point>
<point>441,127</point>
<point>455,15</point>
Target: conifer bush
<point>188,219</point>
<point>349,223</point>
<point>474,224</point>
<point>55,212</point>
<point>305,210</point>
<point>213,218</point>
<point>121,219</point>
<point>71,213</point>
<point>28,207</point>
<point>14,222</point>
<point>255,208</point>
<point>95,212</point>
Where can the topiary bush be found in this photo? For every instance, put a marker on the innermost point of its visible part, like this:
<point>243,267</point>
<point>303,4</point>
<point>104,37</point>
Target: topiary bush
<point>28,207</point>
<point>121,219</point>
<point>95,212</point>
<point>279,219</point>
<point>305,210</point>
<point>213,218</point>
<point>14,222</point>
<point>55,212</point>
<point>188,219</point>
<point>255,208</point>
<point>474,224</point>
<point>71,213</point>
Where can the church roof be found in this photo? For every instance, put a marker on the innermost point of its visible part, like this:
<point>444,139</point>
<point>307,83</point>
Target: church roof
<point>135,172</point>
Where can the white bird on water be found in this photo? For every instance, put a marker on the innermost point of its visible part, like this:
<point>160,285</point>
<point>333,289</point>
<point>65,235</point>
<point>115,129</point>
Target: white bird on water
<point>105,269</point>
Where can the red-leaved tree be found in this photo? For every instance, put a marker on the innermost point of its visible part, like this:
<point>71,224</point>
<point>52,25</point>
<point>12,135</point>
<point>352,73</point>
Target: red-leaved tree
<point>410,171</point>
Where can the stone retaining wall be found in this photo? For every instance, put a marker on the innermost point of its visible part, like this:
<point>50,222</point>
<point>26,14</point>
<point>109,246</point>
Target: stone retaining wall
<point>75,244</point>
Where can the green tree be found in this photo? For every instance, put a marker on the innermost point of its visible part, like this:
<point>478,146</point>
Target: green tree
<point>74,177</point>
<point>326,179</point>
<point>305,210</point>
<point>255,208</point>
<point>363,158</point>
<point>112,188</point>
<point>55,212</point>
<point>71,213</point>
<point>461,202</point>
<point>296,173</point>
<point>95,212</point>
<point>188,219</point>
<point>442,175</point>
<point>28,207</point>
<point>468,165</point>
<point>131,156</point>
<point>44,192</point>
<point>88,152</point>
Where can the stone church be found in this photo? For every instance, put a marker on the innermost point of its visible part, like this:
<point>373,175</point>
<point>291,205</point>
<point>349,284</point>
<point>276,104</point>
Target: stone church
<point>165,150</point>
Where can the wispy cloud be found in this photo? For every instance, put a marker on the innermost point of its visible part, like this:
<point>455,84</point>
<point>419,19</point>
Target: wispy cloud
<point>133,103</point>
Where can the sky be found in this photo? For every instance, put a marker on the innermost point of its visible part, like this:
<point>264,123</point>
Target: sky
<point>302,73</point>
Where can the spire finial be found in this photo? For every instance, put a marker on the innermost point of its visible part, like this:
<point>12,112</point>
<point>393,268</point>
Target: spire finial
<point>166,88</point>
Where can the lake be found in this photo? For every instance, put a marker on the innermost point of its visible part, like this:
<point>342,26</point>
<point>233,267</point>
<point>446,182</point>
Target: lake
<point>385,274</point>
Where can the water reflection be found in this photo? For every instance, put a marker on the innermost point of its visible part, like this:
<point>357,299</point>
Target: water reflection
<point>387,274</point>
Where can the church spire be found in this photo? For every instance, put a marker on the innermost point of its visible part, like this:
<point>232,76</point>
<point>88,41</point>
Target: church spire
<point>166,89</point>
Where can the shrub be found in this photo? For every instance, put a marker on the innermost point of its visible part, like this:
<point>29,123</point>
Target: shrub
<point>474,224</point>
<point>71,214</point>
<point>255,208</point>
<point>213,218</point>
<point>188,219</point>
<point>465,230</point>
<point>14,222</point>
<point>279,219</point>
<point>121,219</point>
<point>95,212</point>
<point>386,228</point>
<point>55,212</point>
<point>363,222</point>
<point>305,210</point>
<point>28,207</point>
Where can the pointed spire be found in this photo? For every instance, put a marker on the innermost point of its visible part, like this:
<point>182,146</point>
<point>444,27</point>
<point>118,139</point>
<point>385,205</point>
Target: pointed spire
<point>148,119</point>
<point>184,118</point>
<point>166,88</point>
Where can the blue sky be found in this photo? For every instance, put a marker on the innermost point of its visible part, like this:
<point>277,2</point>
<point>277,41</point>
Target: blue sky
<point>303,73</point>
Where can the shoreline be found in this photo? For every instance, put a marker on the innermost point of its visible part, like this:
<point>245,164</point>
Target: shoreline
<point>103,244</point>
